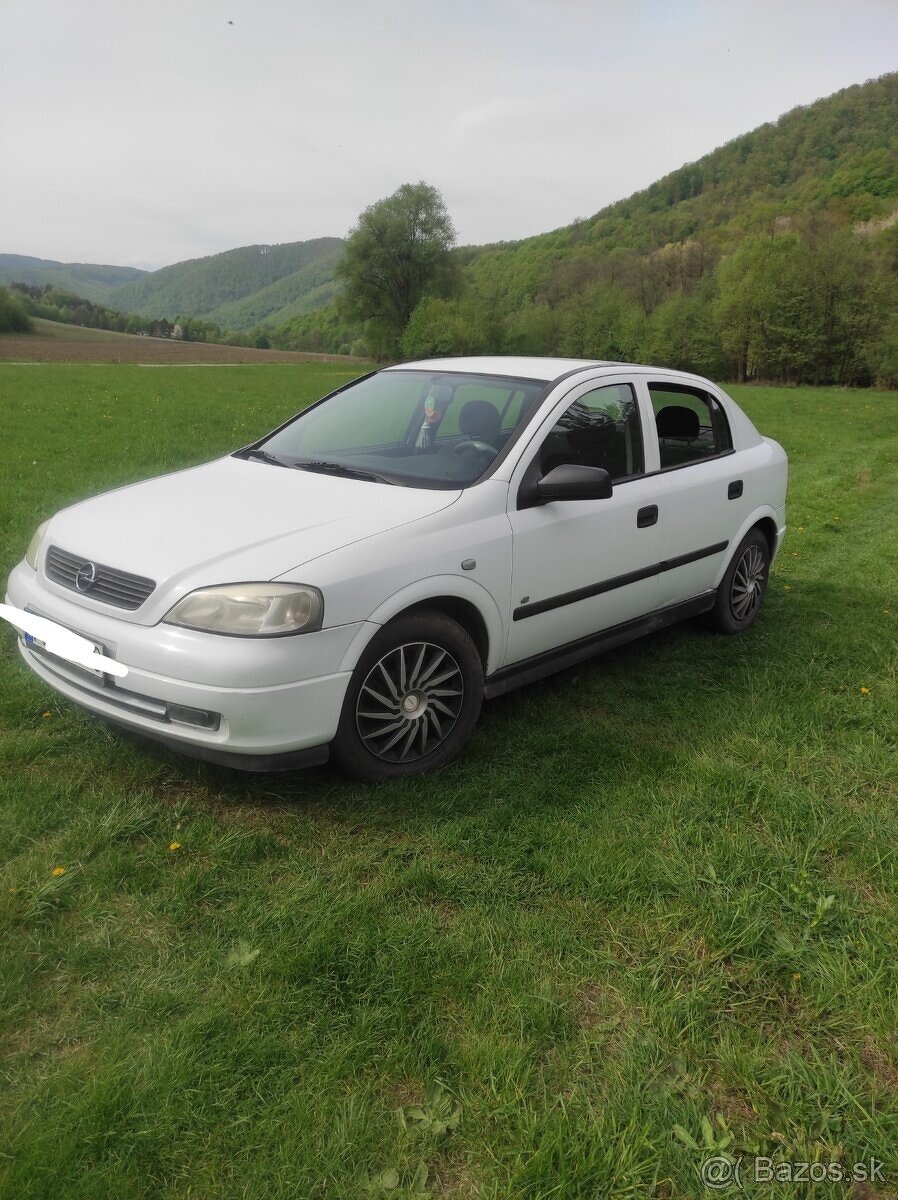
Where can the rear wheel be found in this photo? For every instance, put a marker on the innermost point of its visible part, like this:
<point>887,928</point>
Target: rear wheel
<point>413,700</point>
<point>742,589</point>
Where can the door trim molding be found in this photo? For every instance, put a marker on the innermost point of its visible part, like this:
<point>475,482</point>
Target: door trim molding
<point>618,581</point>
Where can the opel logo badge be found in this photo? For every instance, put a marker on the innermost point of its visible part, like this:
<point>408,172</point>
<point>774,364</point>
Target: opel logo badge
<point>86,576</point>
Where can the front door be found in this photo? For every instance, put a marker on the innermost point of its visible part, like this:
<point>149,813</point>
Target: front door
<point>582,566</point>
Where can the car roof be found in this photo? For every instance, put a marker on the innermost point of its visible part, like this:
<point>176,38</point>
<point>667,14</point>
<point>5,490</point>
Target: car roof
<point>516,367</point>
<point>521,367</point>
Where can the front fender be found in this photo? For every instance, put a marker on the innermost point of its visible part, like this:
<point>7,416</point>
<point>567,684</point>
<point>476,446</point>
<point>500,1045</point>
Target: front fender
<point>433,588</point>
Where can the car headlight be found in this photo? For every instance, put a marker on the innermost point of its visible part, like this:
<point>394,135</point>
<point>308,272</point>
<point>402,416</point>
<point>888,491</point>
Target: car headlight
<point>34,546</point>
<point>251,609</point>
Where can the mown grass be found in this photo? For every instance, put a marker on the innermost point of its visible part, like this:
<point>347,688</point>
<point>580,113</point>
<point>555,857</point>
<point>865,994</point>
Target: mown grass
<point>658,889</point>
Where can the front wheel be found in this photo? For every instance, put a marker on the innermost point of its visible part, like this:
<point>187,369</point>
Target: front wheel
<point>412,701</point>
<point>741,591</point>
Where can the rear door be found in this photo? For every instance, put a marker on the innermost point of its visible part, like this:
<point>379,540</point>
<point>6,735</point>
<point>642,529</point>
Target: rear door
<point>586,565</point>
<point>699,489</point>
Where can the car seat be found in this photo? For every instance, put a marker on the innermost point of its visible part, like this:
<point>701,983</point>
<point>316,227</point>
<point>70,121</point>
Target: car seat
<point>677,421</point>
<point>480,420</point>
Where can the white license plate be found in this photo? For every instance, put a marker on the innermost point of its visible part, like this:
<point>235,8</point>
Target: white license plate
<point>35,643</point>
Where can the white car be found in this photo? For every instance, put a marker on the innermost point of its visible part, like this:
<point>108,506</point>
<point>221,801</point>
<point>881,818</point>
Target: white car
<point>353,585</point>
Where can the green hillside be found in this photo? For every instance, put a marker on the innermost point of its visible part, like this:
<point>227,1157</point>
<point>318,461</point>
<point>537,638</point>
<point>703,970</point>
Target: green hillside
<point>302,291</point>
<point>774,258</point>
<point>91,280</point>
<point>224,287</point>
<point>838,157</point>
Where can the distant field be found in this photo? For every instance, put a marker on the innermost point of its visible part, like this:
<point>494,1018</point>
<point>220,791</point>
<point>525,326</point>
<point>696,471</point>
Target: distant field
<point>649,918</point>
<point>55,342</point>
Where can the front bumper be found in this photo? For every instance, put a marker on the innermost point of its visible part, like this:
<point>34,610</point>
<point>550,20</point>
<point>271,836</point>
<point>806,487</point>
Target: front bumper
<point>270,697</point>
<point>780,531</point>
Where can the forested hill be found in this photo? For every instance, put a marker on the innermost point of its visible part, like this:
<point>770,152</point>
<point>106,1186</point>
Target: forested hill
<point>93,281</point>
<point>837,156</point>
<point>774,257</point>
<point>241,288</point>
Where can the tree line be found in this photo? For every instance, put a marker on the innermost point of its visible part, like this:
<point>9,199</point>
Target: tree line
<point>814,304</point>
<point>52,303</point>
<point>14,317</point>
<point>805,301</point>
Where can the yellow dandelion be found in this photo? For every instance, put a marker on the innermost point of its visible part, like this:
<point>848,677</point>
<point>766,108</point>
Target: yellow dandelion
<point>796,975</point>
<point>10,890</point>
<point>57,871</point>
<point>47,714</point>
<point>865,691</point>
<point>801,528</point>
<point>787,587</point>
<point>174,845</point>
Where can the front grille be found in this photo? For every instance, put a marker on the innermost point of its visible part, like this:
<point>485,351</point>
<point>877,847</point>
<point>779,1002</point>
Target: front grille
<point>120,588</point>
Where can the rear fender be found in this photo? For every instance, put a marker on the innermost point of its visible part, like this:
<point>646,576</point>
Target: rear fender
<point>764,512</point>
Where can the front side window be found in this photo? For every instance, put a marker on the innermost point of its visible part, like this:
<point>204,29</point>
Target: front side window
<point>600,429</point>
<point>418,428</point>
<point>691,424</point>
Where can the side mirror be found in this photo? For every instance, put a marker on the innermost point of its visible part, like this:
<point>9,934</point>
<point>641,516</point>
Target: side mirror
<point>571,481</point>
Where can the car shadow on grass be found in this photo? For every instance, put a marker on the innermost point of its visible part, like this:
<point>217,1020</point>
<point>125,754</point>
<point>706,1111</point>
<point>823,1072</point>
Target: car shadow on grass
<point>644,701</point>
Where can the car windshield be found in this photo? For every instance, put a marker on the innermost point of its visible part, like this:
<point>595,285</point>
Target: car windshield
<point>428,429</point>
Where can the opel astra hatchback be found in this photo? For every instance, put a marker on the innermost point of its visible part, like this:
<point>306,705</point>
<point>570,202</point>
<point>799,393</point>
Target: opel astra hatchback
<point>354,584</point>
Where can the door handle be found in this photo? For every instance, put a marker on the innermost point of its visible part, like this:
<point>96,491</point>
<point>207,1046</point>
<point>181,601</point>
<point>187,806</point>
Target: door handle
<point>647,516</point>
<point>734,491</point>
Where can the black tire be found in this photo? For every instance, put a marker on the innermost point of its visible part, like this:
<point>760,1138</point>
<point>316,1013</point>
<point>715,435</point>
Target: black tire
<point>412,702</point>
<point>742,589</point>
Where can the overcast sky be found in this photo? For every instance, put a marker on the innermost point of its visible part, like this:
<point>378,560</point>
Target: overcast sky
<point>146,133</point>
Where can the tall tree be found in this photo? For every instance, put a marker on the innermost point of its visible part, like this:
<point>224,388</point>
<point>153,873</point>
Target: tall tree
<point>12,314</point>
<point>396,254</point>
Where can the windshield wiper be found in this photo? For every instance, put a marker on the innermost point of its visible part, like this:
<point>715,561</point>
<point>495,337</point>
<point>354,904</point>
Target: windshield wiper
<point>332,468</point>
<point>263,455</point>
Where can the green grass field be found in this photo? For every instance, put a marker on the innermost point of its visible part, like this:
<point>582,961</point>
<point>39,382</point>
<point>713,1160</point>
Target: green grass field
<point>650,916</point>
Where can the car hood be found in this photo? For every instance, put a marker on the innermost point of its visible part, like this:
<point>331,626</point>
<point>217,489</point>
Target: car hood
<point>231,520</point>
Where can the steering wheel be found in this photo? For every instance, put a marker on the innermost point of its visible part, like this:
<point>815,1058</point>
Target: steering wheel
<point>474,444</point>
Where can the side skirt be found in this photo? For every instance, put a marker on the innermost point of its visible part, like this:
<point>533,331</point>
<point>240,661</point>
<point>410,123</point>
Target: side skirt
<point>528,670</point>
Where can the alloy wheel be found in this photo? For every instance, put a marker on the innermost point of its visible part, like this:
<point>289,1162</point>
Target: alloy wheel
<point>409,702</point>
<point>747,590</point>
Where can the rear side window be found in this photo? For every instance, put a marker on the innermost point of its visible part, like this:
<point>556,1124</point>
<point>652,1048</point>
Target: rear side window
<point>691,424</point>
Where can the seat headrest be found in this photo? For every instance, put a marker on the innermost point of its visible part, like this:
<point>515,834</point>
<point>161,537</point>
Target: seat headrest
<point>479,419</point>
<point>676,420</point>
